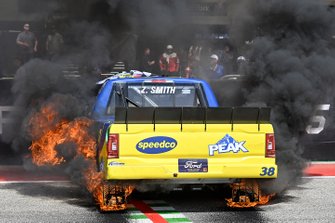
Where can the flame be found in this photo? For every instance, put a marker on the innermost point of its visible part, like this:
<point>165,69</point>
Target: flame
<point>247,194</point>
<point>48,130</point>
<point>98,188</point>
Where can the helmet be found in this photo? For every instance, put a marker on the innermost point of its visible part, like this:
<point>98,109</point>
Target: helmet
<point>214,56</point>
<point>169,47</point>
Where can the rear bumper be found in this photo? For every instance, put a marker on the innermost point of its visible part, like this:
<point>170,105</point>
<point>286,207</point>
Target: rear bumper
<point>167,169</point>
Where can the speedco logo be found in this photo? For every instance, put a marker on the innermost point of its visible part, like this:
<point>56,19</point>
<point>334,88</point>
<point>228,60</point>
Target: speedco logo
<point>156,145</point>
<point>225,145</point>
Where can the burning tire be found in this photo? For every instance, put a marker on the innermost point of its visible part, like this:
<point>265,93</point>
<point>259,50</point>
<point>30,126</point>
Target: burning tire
<point>246,194</point>
<point>114,197</point>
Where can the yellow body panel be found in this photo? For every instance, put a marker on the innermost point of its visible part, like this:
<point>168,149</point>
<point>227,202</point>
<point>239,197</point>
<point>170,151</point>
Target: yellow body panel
<point>189,142</point>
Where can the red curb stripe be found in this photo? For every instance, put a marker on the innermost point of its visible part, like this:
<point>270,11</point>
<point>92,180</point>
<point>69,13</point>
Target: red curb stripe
<point>148,211</point>
<point>320,169</point>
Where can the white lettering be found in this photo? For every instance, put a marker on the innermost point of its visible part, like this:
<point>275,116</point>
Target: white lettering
<point>192,165</point>
<point>159,90</point>
<point>226,148</point>
<point>240,146</point>
<point>212,149</point>
<point>156,145</point>
<point>318,121</point>
<point>163,90</point>
<point>230,147</point>
<point>143,90</point>
<point>223,148</point>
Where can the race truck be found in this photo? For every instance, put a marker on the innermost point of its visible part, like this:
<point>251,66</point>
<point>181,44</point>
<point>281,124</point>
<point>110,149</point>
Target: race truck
<point>171,131</point>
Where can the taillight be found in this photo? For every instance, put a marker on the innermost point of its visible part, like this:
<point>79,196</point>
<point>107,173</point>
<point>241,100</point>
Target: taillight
<point>270,145</point>
<point>113,146</point>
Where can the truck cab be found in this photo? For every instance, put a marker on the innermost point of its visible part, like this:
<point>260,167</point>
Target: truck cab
<point>151,92</point>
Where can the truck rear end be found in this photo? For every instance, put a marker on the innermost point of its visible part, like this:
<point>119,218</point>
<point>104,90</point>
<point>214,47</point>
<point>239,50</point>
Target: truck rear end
<point>171,131</point>
<point>188,146</point>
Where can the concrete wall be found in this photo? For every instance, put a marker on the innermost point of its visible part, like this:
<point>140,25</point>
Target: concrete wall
<point>9,11</point>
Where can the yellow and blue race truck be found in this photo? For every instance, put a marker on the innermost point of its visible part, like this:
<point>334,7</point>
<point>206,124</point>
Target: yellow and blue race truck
<point>161,130</point>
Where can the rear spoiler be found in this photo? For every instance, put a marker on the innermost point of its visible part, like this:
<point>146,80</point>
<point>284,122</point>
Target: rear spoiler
<point>183,115</point>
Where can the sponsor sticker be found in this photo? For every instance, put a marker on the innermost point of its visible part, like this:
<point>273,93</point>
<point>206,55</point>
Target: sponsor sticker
<point>186,91</point>
<point>156,145</point>
<point>113,163</point>
<point>227,144</point>
<point>193,165</point>
<point>158,90</point>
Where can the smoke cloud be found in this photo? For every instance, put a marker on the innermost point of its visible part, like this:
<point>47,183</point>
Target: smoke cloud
<point>41,82</point>
<point>291,69</point>
<point>102,32</point>
<point>291,62</point>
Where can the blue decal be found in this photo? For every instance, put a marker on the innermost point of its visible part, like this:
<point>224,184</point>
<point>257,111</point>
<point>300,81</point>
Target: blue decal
<point>102,165</point>
<point>193,165</point>
<point>227,144</point>
<point>156,145</point>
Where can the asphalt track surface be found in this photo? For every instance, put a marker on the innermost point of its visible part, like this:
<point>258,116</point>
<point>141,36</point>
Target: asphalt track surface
<point>36,197</point>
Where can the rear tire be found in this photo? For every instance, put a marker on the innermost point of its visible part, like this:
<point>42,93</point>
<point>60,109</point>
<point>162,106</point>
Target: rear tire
<point>114,197</point>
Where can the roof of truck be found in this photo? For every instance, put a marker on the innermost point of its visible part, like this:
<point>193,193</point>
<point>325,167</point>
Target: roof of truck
<point>105,91</point>
<point>139,77</point>
<point>107,85</point>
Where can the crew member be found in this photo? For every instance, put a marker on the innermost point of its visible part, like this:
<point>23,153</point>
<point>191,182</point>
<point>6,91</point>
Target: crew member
<point>54,44</point>
<point>148,62</point>
<point>169,62</point>
<point>27,42</point>
<point>215,70</point>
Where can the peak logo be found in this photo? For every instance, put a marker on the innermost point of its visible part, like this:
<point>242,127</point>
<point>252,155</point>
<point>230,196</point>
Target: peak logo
<point>156,145</point>
<point>227,144</point>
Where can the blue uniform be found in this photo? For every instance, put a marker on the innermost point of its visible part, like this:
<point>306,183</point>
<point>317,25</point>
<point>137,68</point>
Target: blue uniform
<point>217,73</point>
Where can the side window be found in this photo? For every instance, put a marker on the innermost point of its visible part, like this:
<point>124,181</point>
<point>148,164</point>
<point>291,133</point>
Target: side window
<point>135,97</point>
<point>201,98</point>
<point>115,100</point>
<point>111,105</point>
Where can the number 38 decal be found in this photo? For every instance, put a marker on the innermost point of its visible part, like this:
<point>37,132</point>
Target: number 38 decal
<point>267,171</point>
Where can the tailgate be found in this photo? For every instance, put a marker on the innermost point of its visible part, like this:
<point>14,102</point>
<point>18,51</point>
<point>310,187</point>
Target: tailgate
<point>163,141</point>
<point>169,141</point>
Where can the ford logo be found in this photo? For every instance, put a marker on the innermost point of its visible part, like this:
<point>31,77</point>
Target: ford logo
<point>156,145</point>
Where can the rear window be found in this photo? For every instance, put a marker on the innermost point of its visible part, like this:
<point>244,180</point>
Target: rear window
<point>155,95</point>
<point>164,95</point>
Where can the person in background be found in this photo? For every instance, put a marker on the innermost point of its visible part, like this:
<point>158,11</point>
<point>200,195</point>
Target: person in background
<point>27,42</point>
<point>242,64</point>
<point>147,61</point>
<point>228,59</point>
<point>169,62</point>
<point>54,44</point>
<point>193,60</point>
<point>215,70</point>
